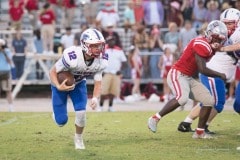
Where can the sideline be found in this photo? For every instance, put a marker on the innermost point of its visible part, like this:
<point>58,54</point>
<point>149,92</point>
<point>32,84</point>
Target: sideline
<point>8,122</point>
<point>45,105</point>
<point>15,119</point>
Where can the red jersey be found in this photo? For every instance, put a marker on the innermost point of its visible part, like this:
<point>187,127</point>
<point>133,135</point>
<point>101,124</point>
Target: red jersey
<point>53,1</point>
<point>69,3</point>
<point>32,5</point>
<point>20,3</point>
<point>16,10</point>
<point>47,17</point>
<point>187,62</point>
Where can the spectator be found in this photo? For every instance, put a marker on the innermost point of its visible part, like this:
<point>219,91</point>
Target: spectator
<point>141,41</point>
<point>195,3</point>
<point>16,11</point>
<point>107,16</point>
<point>126,39</point>
<point>5,73</point>
<point>56,5</point>
<point>186,35</point>
<point>32,8</point>
<point>225,5</point>
<point>69,7</point>
<point>138,11</point>
<point>77,36</point>
<point>47,18</point>
<point>111,82</point>
<point>57,46</point>
<point>213,13</point>
<point>135,61</point>
<point>129,17</point>
<point>153,13</point>
<point>67,39</point>
<point>38,49</point>
<point>19,45</point>
<point>199,15</point>
<point>127,36</point>
<point>237,4</point>
<point>108,31</point>
<point>172,36</point>
<point>187,10</point>
<point>155,44</point>
<point>90,11</point>
<point>174,14</point>
<point>164,64</point>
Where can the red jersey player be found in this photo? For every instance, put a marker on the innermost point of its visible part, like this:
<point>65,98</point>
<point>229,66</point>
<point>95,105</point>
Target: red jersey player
<point>184,86</point>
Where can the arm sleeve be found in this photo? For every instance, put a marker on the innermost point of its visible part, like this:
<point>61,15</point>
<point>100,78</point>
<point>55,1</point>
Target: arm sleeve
<point>234,38</point>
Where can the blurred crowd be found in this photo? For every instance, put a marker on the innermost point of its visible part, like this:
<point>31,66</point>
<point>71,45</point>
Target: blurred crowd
<point>152,27</point>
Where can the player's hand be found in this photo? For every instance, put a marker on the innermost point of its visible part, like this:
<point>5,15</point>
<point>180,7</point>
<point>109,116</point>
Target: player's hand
<point>93,103</point>
<point>64,87</point>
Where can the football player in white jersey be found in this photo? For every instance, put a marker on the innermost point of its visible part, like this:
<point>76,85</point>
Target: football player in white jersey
<point>216,86</point>
<point>82,61</point>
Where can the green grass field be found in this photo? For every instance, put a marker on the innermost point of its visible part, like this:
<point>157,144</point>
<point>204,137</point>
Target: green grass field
<point>115,136</point>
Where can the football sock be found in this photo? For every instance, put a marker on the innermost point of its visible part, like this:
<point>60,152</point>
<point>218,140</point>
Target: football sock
<point>78,135</point>
<point>200,130</point>
<point>158,115</point>
<point>188,120</point>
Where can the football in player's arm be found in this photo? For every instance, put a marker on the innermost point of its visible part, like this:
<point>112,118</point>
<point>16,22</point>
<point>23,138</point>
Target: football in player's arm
<point>82,61</point>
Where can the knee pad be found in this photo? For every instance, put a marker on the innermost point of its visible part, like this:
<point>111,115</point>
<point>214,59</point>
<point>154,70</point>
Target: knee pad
<point>80,119</point>
<point>209,101</point>
<point>60,120</point>
<point>182,100</point>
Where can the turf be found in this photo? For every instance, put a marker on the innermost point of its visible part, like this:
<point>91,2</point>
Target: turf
<point>114,136</point>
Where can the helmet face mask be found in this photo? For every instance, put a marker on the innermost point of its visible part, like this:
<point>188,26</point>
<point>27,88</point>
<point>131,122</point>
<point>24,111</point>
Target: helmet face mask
<point>217,41</point>
<point>92,43</point>
<point>94,50</point>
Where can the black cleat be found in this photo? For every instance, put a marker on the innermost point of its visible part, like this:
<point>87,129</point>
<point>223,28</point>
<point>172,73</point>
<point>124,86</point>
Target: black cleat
<point>185,127</point>
<point>208,131</point>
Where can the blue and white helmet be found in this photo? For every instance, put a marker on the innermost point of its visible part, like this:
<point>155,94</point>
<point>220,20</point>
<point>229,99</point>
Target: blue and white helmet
<point>92,42</point>
<point>230,15</point>
<point>216,32</point>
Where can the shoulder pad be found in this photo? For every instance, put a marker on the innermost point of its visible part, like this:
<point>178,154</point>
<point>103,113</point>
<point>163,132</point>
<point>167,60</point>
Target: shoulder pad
<point>105,56</point>
<point>69,58</point>
<point>202,48</point>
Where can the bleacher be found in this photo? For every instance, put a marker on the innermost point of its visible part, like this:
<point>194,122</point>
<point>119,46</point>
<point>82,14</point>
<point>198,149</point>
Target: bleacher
<point>28,78</point>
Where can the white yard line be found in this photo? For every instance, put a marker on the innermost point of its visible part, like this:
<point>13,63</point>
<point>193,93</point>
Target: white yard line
<point>9,121</point>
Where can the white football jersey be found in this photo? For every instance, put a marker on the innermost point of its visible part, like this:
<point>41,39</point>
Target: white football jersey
<point>116,57</point>
<point>224,63</point>
<point>73,60</point>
